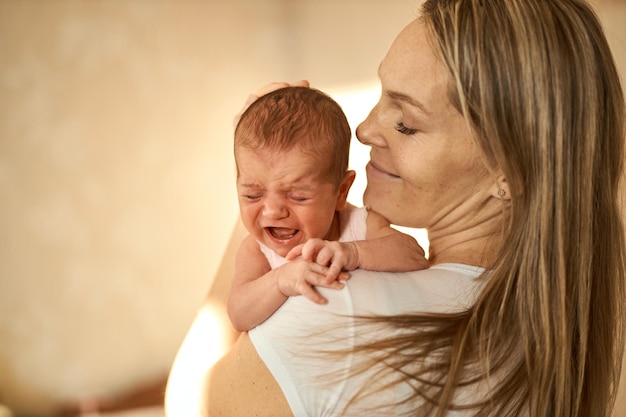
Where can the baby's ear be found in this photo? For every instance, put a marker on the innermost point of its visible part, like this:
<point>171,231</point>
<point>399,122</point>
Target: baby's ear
<point>344,187</point>
<point>500,189</point>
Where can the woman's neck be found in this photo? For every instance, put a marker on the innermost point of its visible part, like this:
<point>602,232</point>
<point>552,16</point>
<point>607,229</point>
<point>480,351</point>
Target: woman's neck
<point>473,242</point>
<point>478,251</point>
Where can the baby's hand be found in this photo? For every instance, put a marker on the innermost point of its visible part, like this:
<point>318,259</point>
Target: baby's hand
<point>300,277</point>
<point>337,256</point>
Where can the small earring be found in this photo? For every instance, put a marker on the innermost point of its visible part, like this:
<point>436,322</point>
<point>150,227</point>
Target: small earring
<point>501,192</point>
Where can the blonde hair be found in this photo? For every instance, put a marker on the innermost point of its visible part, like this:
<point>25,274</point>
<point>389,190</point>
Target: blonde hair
<point>536,82</point>
<point>300,117</point>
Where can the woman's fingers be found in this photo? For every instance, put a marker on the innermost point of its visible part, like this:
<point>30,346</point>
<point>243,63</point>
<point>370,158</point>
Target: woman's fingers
<point>268,88</point>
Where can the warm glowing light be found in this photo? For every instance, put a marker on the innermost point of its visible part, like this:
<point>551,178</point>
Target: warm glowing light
<point>206,342</point>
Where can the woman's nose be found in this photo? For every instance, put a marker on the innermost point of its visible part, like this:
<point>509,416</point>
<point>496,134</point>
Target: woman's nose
<point>369,132</point>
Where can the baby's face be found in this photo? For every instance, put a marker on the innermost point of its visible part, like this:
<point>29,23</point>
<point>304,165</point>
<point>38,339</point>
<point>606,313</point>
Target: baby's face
<point>283,198</point>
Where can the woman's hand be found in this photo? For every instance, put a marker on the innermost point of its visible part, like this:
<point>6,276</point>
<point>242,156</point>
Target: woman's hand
<point>264,90</point>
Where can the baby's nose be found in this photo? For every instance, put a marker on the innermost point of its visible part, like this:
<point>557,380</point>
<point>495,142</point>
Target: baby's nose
<point>275,209</point>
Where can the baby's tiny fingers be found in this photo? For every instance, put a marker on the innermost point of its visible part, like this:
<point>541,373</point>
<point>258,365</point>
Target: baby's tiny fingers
<point>311,294</point>
<point>334,270</point>
<point>294,252</point>
<point>337,285</point>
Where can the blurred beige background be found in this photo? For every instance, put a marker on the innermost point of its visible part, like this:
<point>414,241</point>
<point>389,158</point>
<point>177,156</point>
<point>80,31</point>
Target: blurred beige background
<point>116,174</point>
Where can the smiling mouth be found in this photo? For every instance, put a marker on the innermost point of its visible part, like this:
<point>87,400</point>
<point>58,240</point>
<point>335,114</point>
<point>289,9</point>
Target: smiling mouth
<point>378,170</point>
<point>282,233</point>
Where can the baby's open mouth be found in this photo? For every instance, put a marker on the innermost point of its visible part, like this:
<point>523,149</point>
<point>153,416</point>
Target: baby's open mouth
<point>282,233</point>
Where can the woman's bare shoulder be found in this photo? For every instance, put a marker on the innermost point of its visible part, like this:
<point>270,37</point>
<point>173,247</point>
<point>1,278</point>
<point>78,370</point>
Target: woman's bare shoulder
<point>241,385</point>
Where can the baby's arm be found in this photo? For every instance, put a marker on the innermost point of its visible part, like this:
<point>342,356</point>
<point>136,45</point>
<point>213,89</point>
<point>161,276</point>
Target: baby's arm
<point>384,249</point>
<point>251,299</point>
<point>258,291</point>
<point>387,249</point>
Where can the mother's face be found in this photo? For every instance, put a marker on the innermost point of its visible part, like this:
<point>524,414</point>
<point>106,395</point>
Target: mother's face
<point>425,170</point>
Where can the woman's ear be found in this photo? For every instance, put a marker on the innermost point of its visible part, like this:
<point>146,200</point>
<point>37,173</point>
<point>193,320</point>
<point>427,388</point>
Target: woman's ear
<point>344,187</point>
<point>500,189</point>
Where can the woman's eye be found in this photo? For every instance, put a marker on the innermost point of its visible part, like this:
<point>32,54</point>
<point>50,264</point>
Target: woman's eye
<point>251,197</point>
<point>400,127</point>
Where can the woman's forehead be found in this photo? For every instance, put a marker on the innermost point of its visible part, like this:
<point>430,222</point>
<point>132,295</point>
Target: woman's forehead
<point>412,72</point>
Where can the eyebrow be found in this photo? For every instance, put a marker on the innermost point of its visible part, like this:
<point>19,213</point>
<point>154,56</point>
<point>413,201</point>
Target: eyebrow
<point>296,185</point>
<point>398,96</point>
<point>407,99</point>
<point>248,184</point>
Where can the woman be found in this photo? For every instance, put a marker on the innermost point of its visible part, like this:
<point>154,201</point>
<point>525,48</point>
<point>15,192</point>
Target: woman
<point>500,130</point>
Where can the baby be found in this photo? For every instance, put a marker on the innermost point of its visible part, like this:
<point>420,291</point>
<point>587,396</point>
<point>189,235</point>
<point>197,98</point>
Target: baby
<point>291,151</point>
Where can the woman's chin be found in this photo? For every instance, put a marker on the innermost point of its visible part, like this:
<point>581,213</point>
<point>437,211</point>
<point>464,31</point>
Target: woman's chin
<point>375,200</point>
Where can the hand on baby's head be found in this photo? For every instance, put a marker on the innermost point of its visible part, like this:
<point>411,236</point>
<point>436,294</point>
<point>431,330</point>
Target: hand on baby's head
<point>263,91</point>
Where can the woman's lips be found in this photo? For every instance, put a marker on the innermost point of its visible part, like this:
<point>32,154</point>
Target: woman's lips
<point>373,169</point>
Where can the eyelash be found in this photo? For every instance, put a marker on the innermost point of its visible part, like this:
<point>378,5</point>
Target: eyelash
<point>254,197</point>
<point>400,127</point>
<point>299,199</point>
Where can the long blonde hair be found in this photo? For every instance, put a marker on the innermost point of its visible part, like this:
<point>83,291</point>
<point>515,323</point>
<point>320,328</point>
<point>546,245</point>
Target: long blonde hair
<point>536,82</point>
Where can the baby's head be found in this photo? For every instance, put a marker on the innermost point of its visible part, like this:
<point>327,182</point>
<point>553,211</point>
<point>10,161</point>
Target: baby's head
<point>302,118</point>
<point>291,150</point>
